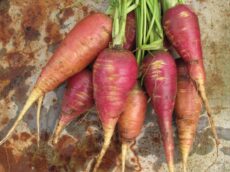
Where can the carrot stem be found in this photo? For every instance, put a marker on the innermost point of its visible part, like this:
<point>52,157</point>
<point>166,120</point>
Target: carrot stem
<point>166,4</point>
<point>149,30</point>
<point>120,9</point>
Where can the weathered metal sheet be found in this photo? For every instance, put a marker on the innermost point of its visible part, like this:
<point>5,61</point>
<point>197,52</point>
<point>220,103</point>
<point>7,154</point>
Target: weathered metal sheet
<point>30,30</point>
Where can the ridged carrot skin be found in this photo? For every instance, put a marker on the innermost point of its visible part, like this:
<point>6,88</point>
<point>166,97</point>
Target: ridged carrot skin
<point>131,120</point>
<point>80,47</point>
<point>114,76</point>
<point>188,108</point>
<point>181,26</point>
<point>130,32</point>
<point>78,98</point>
<point>159,71</point>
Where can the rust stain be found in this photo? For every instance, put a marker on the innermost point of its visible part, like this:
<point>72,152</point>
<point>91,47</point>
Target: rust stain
<point>45,136</point>
<point>219,82</point>
<point>3,84</point>
<point>16,75</point>
<point>34,16</point>
<point>6,31</point>
<point>15,59</point>
<point>85,10</point>
<point>15,137</point>
<point>31,34</point>
<point>4,120</point>
<point>25,136</point>
<point>68,2</point>
<point>67,155</point>
<point>17,72</point>
<point>6,159</point>
<point>53,34</point>
<point>217,109</point>
<point>67,13</point>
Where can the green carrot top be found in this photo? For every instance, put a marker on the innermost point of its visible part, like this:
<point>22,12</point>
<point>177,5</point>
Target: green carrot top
<point>119,10</point>
<point>149,30</point>
<point>166,4</point>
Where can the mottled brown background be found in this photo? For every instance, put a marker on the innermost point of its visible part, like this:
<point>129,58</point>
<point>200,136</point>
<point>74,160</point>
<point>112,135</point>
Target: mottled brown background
<point>30,30</point>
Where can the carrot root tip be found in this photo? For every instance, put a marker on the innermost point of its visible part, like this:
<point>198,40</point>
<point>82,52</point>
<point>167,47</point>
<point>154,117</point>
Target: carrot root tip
<point>124,149</point>
<point>171,166</point>
<point>201,89</point>
<point>108,133</point>
<point>57,132</point>
<point>184,166</point>
<point>185,154</point>
<point>33,97</point>
<point>38,119</point>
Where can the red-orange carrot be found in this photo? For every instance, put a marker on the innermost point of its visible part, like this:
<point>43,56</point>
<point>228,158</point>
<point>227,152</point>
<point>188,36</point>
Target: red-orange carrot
<point>132,119</point>
<point>182,29</point>
<point>188,108</point>
<point>78,98</point>
<point>80,47</point>
<point>114,75</point>
<point>159,72</point>
<point>130,32</point>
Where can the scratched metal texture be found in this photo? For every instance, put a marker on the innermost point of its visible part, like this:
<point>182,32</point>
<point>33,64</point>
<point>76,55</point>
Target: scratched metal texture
<point>30,30</point>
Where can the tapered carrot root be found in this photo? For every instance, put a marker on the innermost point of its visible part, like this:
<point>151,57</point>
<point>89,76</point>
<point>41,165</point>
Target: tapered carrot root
<point>201,88</point>
<point>131,120</point>
<point>57,133</point>
<point>77,99</point>
<point>188,108</point>
<point>124,149</point>
<point>38,119</point>
<point>182,29</point>
<point>159,72</point>
<point>115,72</point>
<point>108,133</point>
<point>80,47</point>
<point>34,96</point>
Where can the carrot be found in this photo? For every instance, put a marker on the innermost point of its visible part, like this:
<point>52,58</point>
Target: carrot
<point>159,72</point>
<point>188,108</point>
<point>114,76</point>
<point>130,32</point>
<point>80,47</point>
<point>182,29</point>
<point>78,98</point>
<point>132,119</point>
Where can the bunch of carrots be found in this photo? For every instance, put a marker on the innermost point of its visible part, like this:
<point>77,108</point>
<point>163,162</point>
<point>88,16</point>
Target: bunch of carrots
<point>130,63</point>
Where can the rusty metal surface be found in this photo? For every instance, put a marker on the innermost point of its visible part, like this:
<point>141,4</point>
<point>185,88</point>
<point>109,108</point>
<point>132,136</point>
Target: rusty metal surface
<point>30,30</point>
